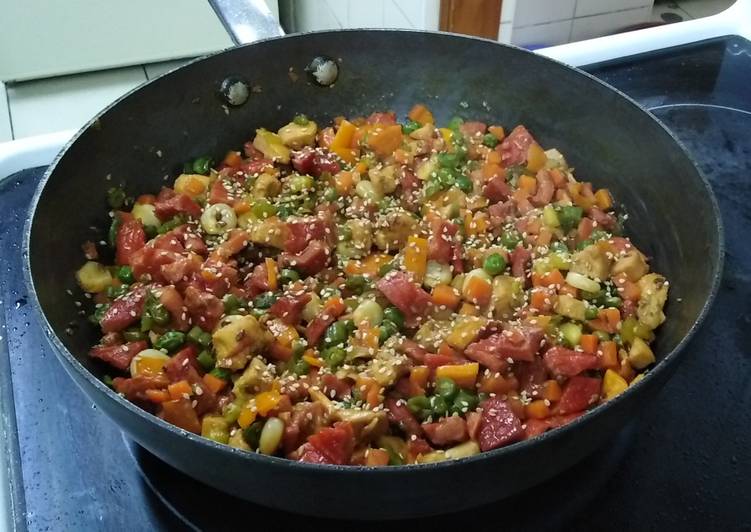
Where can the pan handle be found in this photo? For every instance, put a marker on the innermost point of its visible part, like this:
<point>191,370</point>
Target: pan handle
<point>247,20</point>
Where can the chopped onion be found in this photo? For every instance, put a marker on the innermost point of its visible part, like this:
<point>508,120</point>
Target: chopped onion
<point>582,282</point>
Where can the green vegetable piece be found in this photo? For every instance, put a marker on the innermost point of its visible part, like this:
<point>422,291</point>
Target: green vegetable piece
<point>265,300</point>
<point>448,160</point>
<point>116,197</point>
<point>330,194</point>
<point>572,333</point>
<point>490,140</point>
<point>301,120</point>
<point>350,326</point>
<point>494,264</point>
<point>205,359</point>
<point>613,301</point>
<point>112,233</point>
<point>298,348</point>
<point>410,126</point>
<point>232,303</point>
<point>334,356</point>
<point>591,312</point>
<point>420,406</point>
<point>387,330</point>
<point>252,434</point>
<point>386,268</point>
<point>107,380</point>
<point>464,402</point>
<point>439,406</point>
<point>455,123</point>
<point>394,457</point>
<point>133,335</point>
<point>558,247</point>
<point>300,367</point>
<point>117,291</point>
<point>262,209</point>
<point>222,373</point>
<point>159,314</point>
<point>202,165</point>
<point>395,316</point>
<point>288,275</point>
<point>569,217</point>
<point>599,234</point>
<point>446,388</point>
<point>147,322</point>
<point>464,183</point>
<point>511,239</point>
<point>125,274</point>
<point>335,334</point>
<point>170,224</point>
<point>199,336</point>
<point>357,283</point>
<point>171,341</point>
<point>446,177</point>
<point>432,188</point>
<point>602,336</point>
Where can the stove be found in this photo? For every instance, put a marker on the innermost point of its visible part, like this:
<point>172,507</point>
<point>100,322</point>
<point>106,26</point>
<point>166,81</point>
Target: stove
<point>683,464</point>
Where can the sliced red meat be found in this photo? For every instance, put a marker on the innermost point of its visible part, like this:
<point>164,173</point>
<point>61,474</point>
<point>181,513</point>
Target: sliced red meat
<point>531,375</point>
<point>497,189</point>
<point>289,308</point>
<point>516,343</point>
<point>118,356</point>
<point>417,447</point>
<point>149,261</point>
<point>180,270</point>
<point>545,189</point>
<point>180,413</point>
<point>584,229</point>
<point>499,212</point>
<point>412,300</point>
<point>311,260</point>
<point>183,366</point>
<point>173,302</point>
<point>205,309</point>
<point>171,241</point>
<point>124,311</point>
<point>134,388</point>
<point>319,324</point>
<point>456,258</point>
<point>567,362</point>
<point>605,220</point>
<point>300,233</point>
<point>168,205</point>
<point>399,415</point>
<point>433,360</point>
<point>449,430</point>
<point>258,281</point>
<point>535,427</point>
<point>413,350</point>
<point>499,425</point>
<point>441,241</point>
<point>335,444</point>
<point>305,418</point>
<point>341,387</point>
<point>130,238</point>
<point>521,259</point>
<point>385,119</point>
<point>514,147</point>
<point>578,394</point>
<point>218,193</point>
<point>474,420</point>
<point>256,166</point>
<point>310,161</point>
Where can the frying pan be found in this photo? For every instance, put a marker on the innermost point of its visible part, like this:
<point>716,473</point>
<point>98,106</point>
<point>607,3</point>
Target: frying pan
<point>148,134</point>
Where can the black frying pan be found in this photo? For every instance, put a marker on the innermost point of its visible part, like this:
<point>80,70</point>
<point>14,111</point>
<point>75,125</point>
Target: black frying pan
<point>149,133</point>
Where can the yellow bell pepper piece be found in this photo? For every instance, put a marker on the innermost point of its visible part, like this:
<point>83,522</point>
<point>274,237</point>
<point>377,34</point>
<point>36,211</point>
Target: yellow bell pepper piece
<point>536,158</point>
<point>312,360</point>
<point>465,332</point>
<point>416,257</point>
<point>464,375</point>
<point>247,416</point>
<point>267,401</point>
<point>446,134</point>
<point>613,384</point>
<point>342,143</point>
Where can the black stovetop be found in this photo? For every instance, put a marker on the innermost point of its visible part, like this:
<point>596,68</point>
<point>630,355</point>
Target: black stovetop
<point>683,464</point>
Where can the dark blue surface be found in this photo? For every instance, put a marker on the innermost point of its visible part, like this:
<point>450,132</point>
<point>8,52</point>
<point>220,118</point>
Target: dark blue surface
<point>688,465</point>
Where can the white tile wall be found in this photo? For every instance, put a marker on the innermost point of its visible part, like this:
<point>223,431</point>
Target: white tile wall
<point>393,17</point>
<point>704,8</point>
<point>6,133</point>
<point>598,25</point>
<point>597,7</point>
<point>529,12</point>
<point>365,14</point>
<point>508,10</point>
<point>414,10</point>
<point>542,34</point>
<point>314,15</point>
<point>505,32</point>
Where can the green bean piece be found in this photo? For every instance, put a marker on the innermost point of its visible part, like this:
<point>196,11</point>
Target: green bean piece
<point>114,292</point>
<point>439,406</point>
<point>202,165</point>
<point>613,301</point>
<point>288,275</point>
<point>330,194</point>
<point>334,356</point>
<point>300,367</point>
<point>386,268</point>
<point>464,183</point>
<point>357,283</point>
<point>125,274</point>
<point>432,188</point>
<point>107,380</point>
<point>464,402</point>
<point>455,123</point>
<point>112,233</point>
<point>170,224</point>
<point>232,303</point>
<point>387,330</point>
<point>591,312</point>
<point>206,360</point>
<point>252,434</point>
<point>395,316</point>
<point>133,335</point>
<point>490,140</point>
<point>171,341</point>
<point>262,209</point>
<point>420,406</point>
<point>569,217</point>
<point>602,336</point>
<point>221,373</point>
<point>494,264</point>
<point>199,336</point>
<point>558,247</point>
<point>446,388</point>
<point>448,160</point>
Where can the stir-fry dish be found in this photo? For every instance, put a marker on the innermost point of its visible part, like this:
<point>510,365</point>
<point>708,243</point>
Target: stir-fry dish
<point>373,293</point>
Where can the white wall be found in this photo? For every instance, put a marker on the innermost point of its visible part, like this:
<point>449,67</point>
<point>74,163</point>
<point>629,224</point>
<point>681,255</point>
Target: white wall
<point>311,15</point>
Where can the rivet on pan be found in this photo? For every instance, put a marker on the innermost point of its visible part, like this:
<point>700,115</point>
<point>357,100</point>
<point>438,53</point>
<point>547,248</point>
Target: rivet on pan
<point>234,91</point>
<point>323,71</point>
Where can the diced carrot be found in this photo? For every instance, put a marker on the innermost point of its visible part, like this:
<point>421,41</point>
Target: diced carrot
<point>446,295</point>
<point>545,236</point>
<point>553,278</point>
<point>418,376</point>
<point>627,289</point>
<point>376,457</point>
<point>477,224</point>
<point>540,299</point>
<point>179,389</point>
<point>536,279</point>
<point>536,158</point>
<point>603,199</point>
<point>334,306</point>
<point>569,290</point>
<point>344,136</point>
<point>468,309</point>
<point>233,159</point>
<point>267,401</point>
<point>416,257</point>
<point>491,170</point>
<point>373,262</point>
<point>241,206</point>
<point>477,290</point>
<point>464,375</point>
<point>558,177</point>
<point>528,184</point>
<point>612,316</point>
<point>272,271</point>
<point>385,140</point>
<point>344,182</point>
<point>146,199</point>
<point>537,409</point>
<point>367,336</point>
<point>497,132</point>
<point>215,384</point>
<point>361,167</point>
<point>551,390</point>
<point>493,157</point>
<point>589,343</point>
<point>157,396</point>
<point>247,417</point>
<point>402,156</point>
<point>609,352</point>
<point>421,114</point>
<point>498,384</point>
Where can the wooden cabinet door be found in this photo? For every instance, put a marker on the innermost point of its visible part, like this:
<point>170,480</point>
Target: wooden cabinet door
<point>471,17</point>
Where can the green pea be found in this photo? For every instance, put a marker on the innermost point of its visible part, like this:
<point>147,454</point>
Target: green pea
<point>464,183</point>
<point>511,239</point>
<point>446,388</point>
<point>439,406</point>
<point>288,275</point>
<point>298,348</point>
<point>252,434</point>
<point>125,274</point>
<point>490,140</point>
<point>107,380</point>
<point>262,209</point>
<point>116,197</point>
<point>335,334</point>
<point>387,330</point>
<point>349,326</point>
<point>599,234</point>
<point>205,359</point>
<point>410,126</point>
<point>117,291</point>
<point>613,301</point>
<point>448,160</point>
<point>112,233</point>
<point>330,194</point>
<point>395,316</point>
<point>494,264</point>
<point>357,283</point>
<point>569,217</point>
<point>345,233</point>
<point>232,303</point>
<point>199,336</point>
<point>265,300</point>
<point>591,312</point>
<point>133,335</point>
<point>171,341</point>
<point>464,402</point>
<point>301,120</point>
<point>202,165</point>
<point>455,123</point>
<point>446,177</point>
<point>221,373</point>
<point>147,322</point>
<point>420,406</point>
<point>334,356</point>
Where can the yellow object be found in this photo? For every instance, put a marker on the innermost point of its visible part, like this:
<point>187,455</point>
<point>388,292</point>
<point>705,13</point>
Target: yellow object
<point>267,401</point>
<point>93,277</point>
<point>613,384</point>
<point>446,134</point>
<point>640,355</point>
<point>416,257</point>
<point>536,158</point>
<point>191,184</point>
<point>247,416</point>
<point>312,360</point>
<point>463,374</point>
<point>342,143</point>
<point>271,145</point>
<point>465,332</point>
<point>272,272</point>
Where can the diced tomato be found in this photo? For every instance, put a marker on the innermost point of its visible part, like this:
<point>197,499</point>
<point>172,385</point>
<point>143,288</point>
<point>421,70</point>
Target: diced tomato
<point>412,300</point>
<point>289,308</point>
<point>399,415</point>
<point>417,447</point>
<point>311,455</point>
<point>441,241</point>
<point>497,189</point>
<point>205,309</point>
<point>173,302</point>
<point>578,394</point>
<point>130,238</point>
<point>180,413</point>
<point>251,151</point>
<point>567,362</point>
<point>124,311</point>
<point>452,429</point>
<point>516,343</point>
<point>499,425</point>
<point>134,389</point>
<point>335,443</point>
<point>311,260</point>
<point>118,356</point>
<point>218,193</point>
<point>514,147</point>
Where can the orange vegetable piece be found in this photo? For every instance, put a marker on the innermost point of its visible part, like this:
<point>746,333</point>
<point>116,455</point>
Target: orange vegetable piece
<point>553,278</point>
<point>567,289</point>
<point>334,306</point>
<point>528,184</point>
<point>376,457</point>
<point>446,295</point>
<point>541,299</point>
<point>498,384</point>
<point>609,352</point>
<point>247,417</point>
<point>343,140</point>
<point>537,409</point>
<point>367,336</point>
<point>477,224</point>
<point>589,343</point>
<point>344,182</point>
<point>551,390</point>
<point>603,199</point>
<point>517,406</point>
<point>233,159</point>
<point>311,358</point>
<point>241,206</point>
<point>421,114</point>
<point>464,375</point>
<point>179,389</point>
<point>418,376</point>
<point>385,140</point>
<point>146,199</point>
<point>273,272</point>
<point>267,401</point>
<point>215,384</point>
<point>157,396</point>
<point>544,236</point>
<point>493,157</point>
<point>478,290</point>
<point>626,371</point>
<point>492,169</point>
<point>536,158</point>
<point>372,263</point>
<point>558,177</point>
<point>626,288</point>
<point>149,366</point>
<point>497,132</point>
<point>416,257</point>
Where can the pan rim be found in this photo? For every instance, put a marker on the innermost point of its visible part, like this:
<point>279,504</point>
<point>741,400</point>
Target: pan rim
<point>72,364</point>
